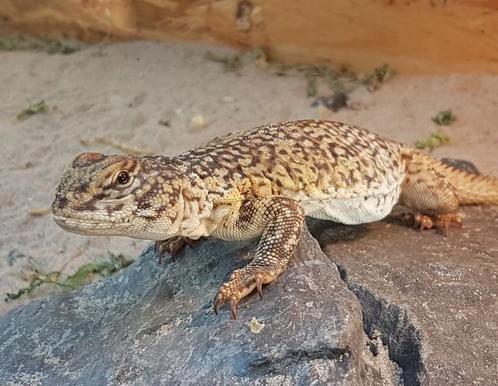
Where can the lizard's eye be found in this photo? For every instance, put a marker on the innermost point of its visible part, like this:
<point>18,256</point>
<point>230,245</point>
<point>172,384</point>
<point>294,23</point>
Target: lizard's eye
<point>123,178</point>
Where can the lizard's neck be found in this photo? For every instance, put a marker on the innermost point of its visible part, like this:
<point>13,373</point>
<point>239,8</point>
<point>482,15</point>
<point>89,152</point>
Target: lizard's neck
<point>205,203</point>
<point>194,209</point>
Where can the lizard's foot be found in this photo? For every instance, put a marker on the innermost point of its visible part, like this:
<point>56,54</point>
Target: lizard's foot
<point>438,221</point>
<point>172,246</point>
<point>241,283</point>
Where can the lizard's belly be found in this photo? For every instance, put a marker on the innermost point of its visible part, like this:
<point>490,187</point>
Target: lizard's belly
<point>355,210</point>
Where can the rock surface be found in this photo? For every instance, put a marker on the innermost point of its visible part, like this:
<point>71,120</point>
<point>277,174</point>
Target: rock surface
<point>432,299</point>
<point>154,324</point>
<point>428,304</point>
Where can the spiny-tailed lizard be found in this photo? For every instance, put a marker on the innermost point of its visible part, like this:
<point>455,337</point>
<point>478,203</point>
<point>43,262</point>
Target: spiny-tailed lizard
<point>262,182</point>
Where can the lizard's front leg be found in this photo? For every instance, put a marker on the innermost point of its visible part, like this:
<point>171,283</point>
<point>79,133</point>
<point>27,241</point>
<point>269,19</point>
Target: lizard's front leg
<point>280,221</point>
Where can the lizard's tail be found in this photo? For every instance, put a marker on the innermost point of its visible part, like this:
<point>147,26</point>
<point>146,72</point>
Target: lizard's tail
<point>471,188</point>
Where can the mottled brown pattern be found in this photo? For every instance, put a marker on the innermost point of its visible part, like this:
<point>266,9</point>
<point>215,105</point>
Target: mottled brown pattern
<point>262,182</point>
<point>313,157</point>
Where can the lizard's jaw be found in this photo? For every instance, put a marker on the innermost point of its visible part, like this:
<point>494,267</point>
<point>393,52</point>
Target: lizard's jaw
<point>84,227</point>
<point>137,230</point>
<point>98,220</point>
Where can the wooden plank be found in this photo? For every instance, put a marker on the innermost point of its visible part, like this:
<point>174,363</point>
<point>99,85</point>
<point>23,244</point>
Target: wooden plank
<point>413,36</point>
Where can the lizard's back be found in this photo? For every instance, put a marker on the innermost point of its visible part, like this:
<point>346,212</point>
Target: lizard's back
<point>336,171</point>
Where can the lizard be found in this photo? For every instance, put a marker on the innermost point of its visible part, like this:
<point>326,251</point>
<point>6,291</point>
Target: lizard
<point>262,183</point>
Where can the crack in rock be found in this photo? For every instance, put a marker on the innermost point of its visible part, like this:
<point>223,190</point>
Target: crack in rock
<point>397,330</point>
<point>277,365</point>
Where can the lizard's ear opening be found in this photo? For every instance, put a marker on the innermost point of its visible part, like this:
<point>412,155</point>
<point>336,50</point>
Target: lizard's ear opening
<point>86,159</point>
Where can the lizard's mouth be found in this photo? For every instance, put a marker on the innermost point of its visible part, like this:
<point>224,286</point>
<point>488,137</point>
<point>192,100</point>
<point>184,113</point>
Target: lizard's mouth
<point>84,227</point>
<point>64,222</point>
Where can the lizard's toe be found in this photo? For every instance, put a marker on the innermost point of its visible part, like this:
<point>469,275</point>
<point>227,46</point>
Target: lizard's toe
<point>240,284</point>
<point>423,221</point>
<point>220,300</point>
<point>172,246</point>
<point>445,221</point>
<point>439,221</point>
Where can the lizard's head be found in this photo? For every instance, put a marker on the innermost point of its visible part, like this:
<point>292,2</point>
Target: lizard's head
<point>120,195</point>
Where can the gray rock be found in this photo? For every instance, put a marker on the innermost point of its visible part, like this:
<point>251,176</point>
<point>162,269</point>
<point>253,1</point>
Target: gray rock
<point>154,324</point>
<point>461,164</point>
<point>431,299</point>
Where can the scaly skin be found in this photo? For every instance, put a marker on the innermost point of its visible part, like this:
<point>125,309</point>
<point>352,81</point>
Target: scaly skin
<point>262,182</point>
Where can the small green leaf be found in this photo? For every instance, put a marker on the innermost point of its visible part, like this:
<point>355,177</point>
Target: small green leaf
<point>64,47</point>
<point>82,276</point>
<point>102,268</point>
<point>433,141</point>
<point>34,108</point>
<point>444,118</point>
<point>378,76</point>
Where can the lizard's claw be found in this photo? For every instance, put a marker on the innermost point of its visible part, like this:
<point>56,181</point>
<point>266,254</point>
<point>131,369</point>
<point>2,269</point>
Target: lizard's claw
<point>233,309</point>
<point>259,287</point>
<point>218,302</point>
<point>422,221</point>
<point>240,284</point>
<point>172,246</point>
<point>439,221</point>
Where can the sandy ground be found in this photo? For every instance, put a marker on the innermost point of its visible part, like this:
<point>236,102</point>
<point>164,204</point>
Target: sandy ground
<point>122,91</point>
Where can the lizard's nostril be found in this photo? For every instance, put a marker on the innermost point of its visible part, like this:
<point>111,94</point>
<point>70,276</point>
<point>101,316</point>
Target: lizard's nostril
<point>59,202</point>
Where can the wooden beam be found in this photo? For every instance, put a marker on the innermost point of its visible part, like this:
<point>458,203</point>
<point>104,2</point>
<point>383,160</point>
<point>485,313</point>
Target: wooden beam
<point>413,36</point>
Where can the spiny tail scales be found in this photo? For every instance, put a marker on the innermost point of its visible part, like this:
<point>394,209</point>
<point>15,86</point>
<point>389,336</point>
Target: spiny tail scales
<point>471,189</point>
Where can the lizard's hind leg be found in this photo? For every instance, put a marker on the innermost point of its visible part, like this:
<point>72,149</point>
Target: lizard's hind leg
<point>430,195</point>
